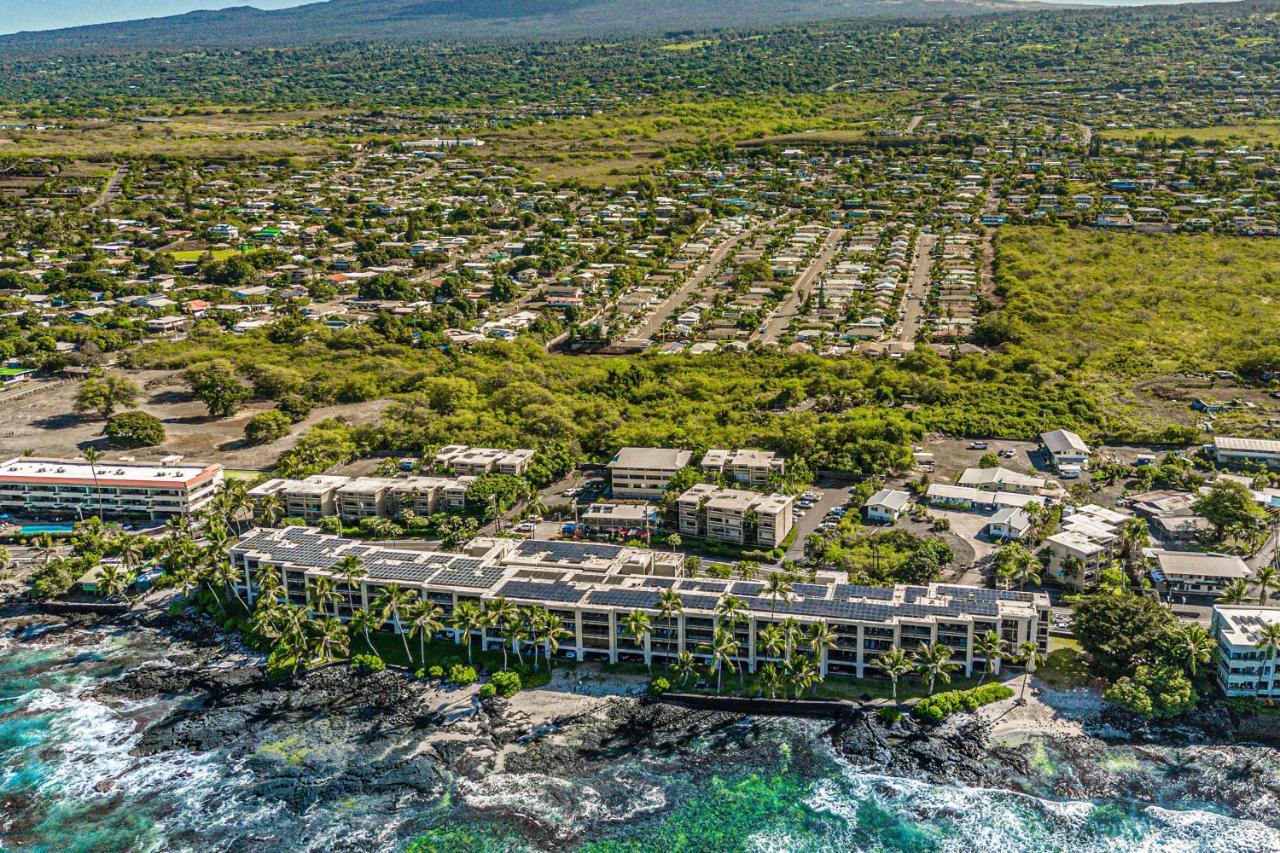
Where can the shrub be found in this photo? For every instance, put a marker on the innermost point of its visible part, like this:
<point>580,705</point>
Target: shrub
<point>372,663</point>
<point>488,691</point>
<point>659,686</point>
<point>461,676</point>
<point>889,715</point>
<point>420,673</point>
<point>936,708</point>
<point>266,427</point>
<point>436,672</point>
<point>134,429</point>
<point>506,683</point>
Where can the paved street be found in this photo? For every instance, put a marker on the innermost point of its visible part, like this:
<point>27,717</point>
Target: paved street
<point>917,287</point>
<point>788,308</point>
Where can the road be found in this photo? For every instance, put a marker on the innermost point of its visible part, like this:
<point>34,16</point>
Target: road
<point>708,268</point>
<point>917,287</point>
<point>111,190</point>
<point>913,124</point>
<point>787,310</point>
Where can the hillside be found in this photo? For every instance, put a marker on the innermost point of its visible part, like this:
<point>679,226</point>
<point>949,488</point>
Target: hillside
<point>471,20</point>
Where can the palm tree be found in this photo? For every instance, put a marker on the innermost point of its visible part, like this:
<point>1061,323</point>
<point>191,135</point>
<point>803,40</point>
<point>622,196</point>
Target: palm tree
<point>391,601</point>
<point>322,593</point>
<point>424,621</point>
<point>731,610</point>
<point>1269,642</point>
<point>895,664</point>
<point>351,571</point>
<point>501,614</point>
<point>1014,562</point>
<point>992,648</point>
<point>43,543</point>
<point>267,617</point>
<point>776,586</point>
<point>638,626</point>
<point>772,641</point>
<point>131,550</point>
<point>91,456</point>
<point>536,617</point>
<point>821,639</point>
<point>552,631</point>
<point>1195,646</point>
<point>271,508</point>
<point>792,635</point>
<point>669,607</point>
<point>1236,592</point>
<point>111,581</point>
<point>1029,654</point>
<point>934,661</point>
<point>331,640</point>
<point>722,648</point>
<point>801,672</point>
<point>364,621</point>
<point>1134,535</point>
<point>468,617</point>
<point>770,679</point>
<point>1266,580</point>
<point>685,666</point>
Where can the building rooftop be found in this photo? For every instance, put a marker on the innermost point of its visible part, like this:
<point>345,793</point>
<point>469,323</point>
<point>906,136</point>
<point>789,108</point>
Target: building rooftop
<point>1064,441</point>
<point>999,476</point>
<point>1250,445</point>
<point>1241,624</point>
<point>104,472</point>
<point>1190,564</point>
<point>651,458</point>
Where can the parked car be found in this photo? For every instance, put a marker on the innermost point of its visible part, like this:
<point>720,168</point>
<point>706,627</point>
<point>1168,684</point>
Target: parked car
<point>978,445</point>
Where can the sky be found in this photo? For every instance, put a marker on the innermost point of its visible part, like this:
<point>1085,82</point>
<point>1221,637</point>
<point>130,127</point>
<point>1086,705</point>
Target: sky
<point>18,15</point>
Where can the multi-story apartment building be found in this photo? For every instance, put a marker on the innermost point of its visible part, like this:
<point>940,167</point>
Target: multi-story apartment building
<point>643,473</point>
<point>592,587</point>
<point>355,498</point>
<point>1183,573</point>
<point>749,467</point>
<point>476,461</point>
<point>1245,669</point>
<point>1090,535</point>
<point>735,515</point>
<point>72,489</point>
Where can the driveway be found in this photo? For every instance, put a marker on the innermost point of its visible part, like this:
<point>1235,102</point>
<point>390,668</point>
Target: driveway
<point>832,497</point>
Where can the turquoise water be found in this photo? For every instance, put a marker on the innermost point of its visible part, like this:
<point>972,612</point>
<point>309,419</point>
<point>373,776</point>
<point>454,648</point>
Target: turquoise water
<point>69,780</point>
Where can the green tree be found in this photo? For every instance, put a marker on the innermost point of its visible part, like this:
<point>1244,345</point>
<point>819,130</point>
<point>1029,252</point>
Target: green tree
<point>1153,691</point>
<point>266,427</point>
<point>134,429</point>
<point>468,617</point>
<point>218,386</point>
<point>1120,631</point>
<point>105,394</point>
<point>1228,505</point>
<point>638,627</point>
<point>992,649</point>
<point>934,662</point>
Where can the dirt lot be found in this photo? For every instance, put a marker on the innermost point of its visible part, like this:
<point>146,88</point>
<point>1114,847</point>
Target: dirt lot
<point>43,423</point>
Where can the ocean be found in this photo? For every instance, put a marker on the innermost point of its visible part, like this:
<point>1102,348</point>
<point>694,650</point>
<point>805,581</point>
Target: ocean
<point>72,778</point>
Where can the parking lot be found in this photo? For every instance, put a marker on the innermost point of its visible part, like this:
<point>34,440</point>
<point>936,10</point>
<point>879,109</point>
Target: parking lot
<point>832,496</point>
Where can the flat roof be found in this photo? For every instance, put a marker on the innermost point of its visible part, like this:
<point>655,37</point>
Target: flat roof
<point>653,458</point>
<point>1241,624</point>
<point>104,472</point>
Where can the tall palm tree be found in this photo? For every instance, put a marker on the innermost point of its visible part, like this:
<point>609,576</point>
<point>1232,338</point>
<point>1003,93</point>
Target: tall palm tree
<point>1195,646</point>
<point>536,618</point>
<point>934,661</point>
<point>821,640</point>
<point>1267,579</point>
<point>1236,592</point>
<point>1269,641</point>
<point>424,621</point>
<point>468,617</point>
<point>267,617</point>
<point>792,635</point>
<point>91,456</point>
<point>365,620</point>
<point>638,627</point>
<point>772,640</point>
<point>669,607</point>
<point>350,570</point>
<point>391,602</point>
<point>321,594</point>
<point>723,648</point>
<point>330,640</point>
<point>731,610</point>
<point>992,648</point>
<point>895,664</point>
<point>801,672</point>
<point>111,581</point>
<point>1029,655</point>
<point>553,631</point>
<point>1134,536</point>
<point>131,550</point>
<point>685,666</point>
<point>777,586</point>
<point>770,679</point>
<point>270,508</point>
<point>501,615</point>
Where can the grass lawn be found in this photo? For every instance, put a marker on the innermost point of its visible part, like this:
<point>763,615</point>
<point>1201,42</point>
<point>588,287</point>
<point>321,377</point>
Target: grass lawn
<point>218,255</point>
<point>1064,668</point>
<point>1254,133</point>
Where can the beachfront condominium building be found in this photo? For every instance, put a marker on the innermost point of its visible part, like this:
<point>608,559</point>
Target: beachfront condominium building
<point>751,468</point>
<point>467,461</point>
<point>642,473</point>
<point>1245,669</point>
<point>735,515</point>
<point>73,489</point>
<point>593,587</point>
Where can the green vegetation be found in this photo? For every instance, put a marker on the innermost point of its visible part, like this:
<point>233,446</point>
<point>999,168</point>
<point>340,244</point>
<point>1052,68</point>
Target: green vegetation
<point>134,429</point>
<point>934,709</point>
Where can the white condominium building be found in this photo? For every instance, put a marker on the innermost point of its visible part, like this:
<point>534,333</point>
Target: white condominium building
<point>735,515</point>
<point>71,489</point>
<point>477,461</point>
<point>593,587</point>
<point>1244,669</point>
<point>749,467</point>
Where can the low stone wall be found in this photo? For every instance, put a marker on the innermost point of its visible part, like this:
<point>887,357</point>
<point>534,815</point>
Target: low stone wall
<point>828,709</point>
<point>101,607</point>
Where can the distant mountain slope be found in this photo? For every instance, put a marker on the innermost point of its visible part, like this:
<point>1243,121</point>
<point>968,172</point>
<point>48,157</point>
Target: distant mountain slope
<point>471,20</point>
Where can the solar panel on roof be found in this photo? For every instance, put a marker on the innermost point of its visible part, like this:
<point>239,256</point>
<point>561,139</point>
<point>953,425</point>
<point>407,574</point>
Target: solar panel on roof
<point>665,583</point>
<point>747,588</point>
<point>556,591</point>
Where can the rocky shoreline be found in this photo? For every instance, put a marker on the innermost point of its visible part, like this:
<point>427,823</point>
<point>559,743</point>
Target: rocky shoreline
<point>336,732</point>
